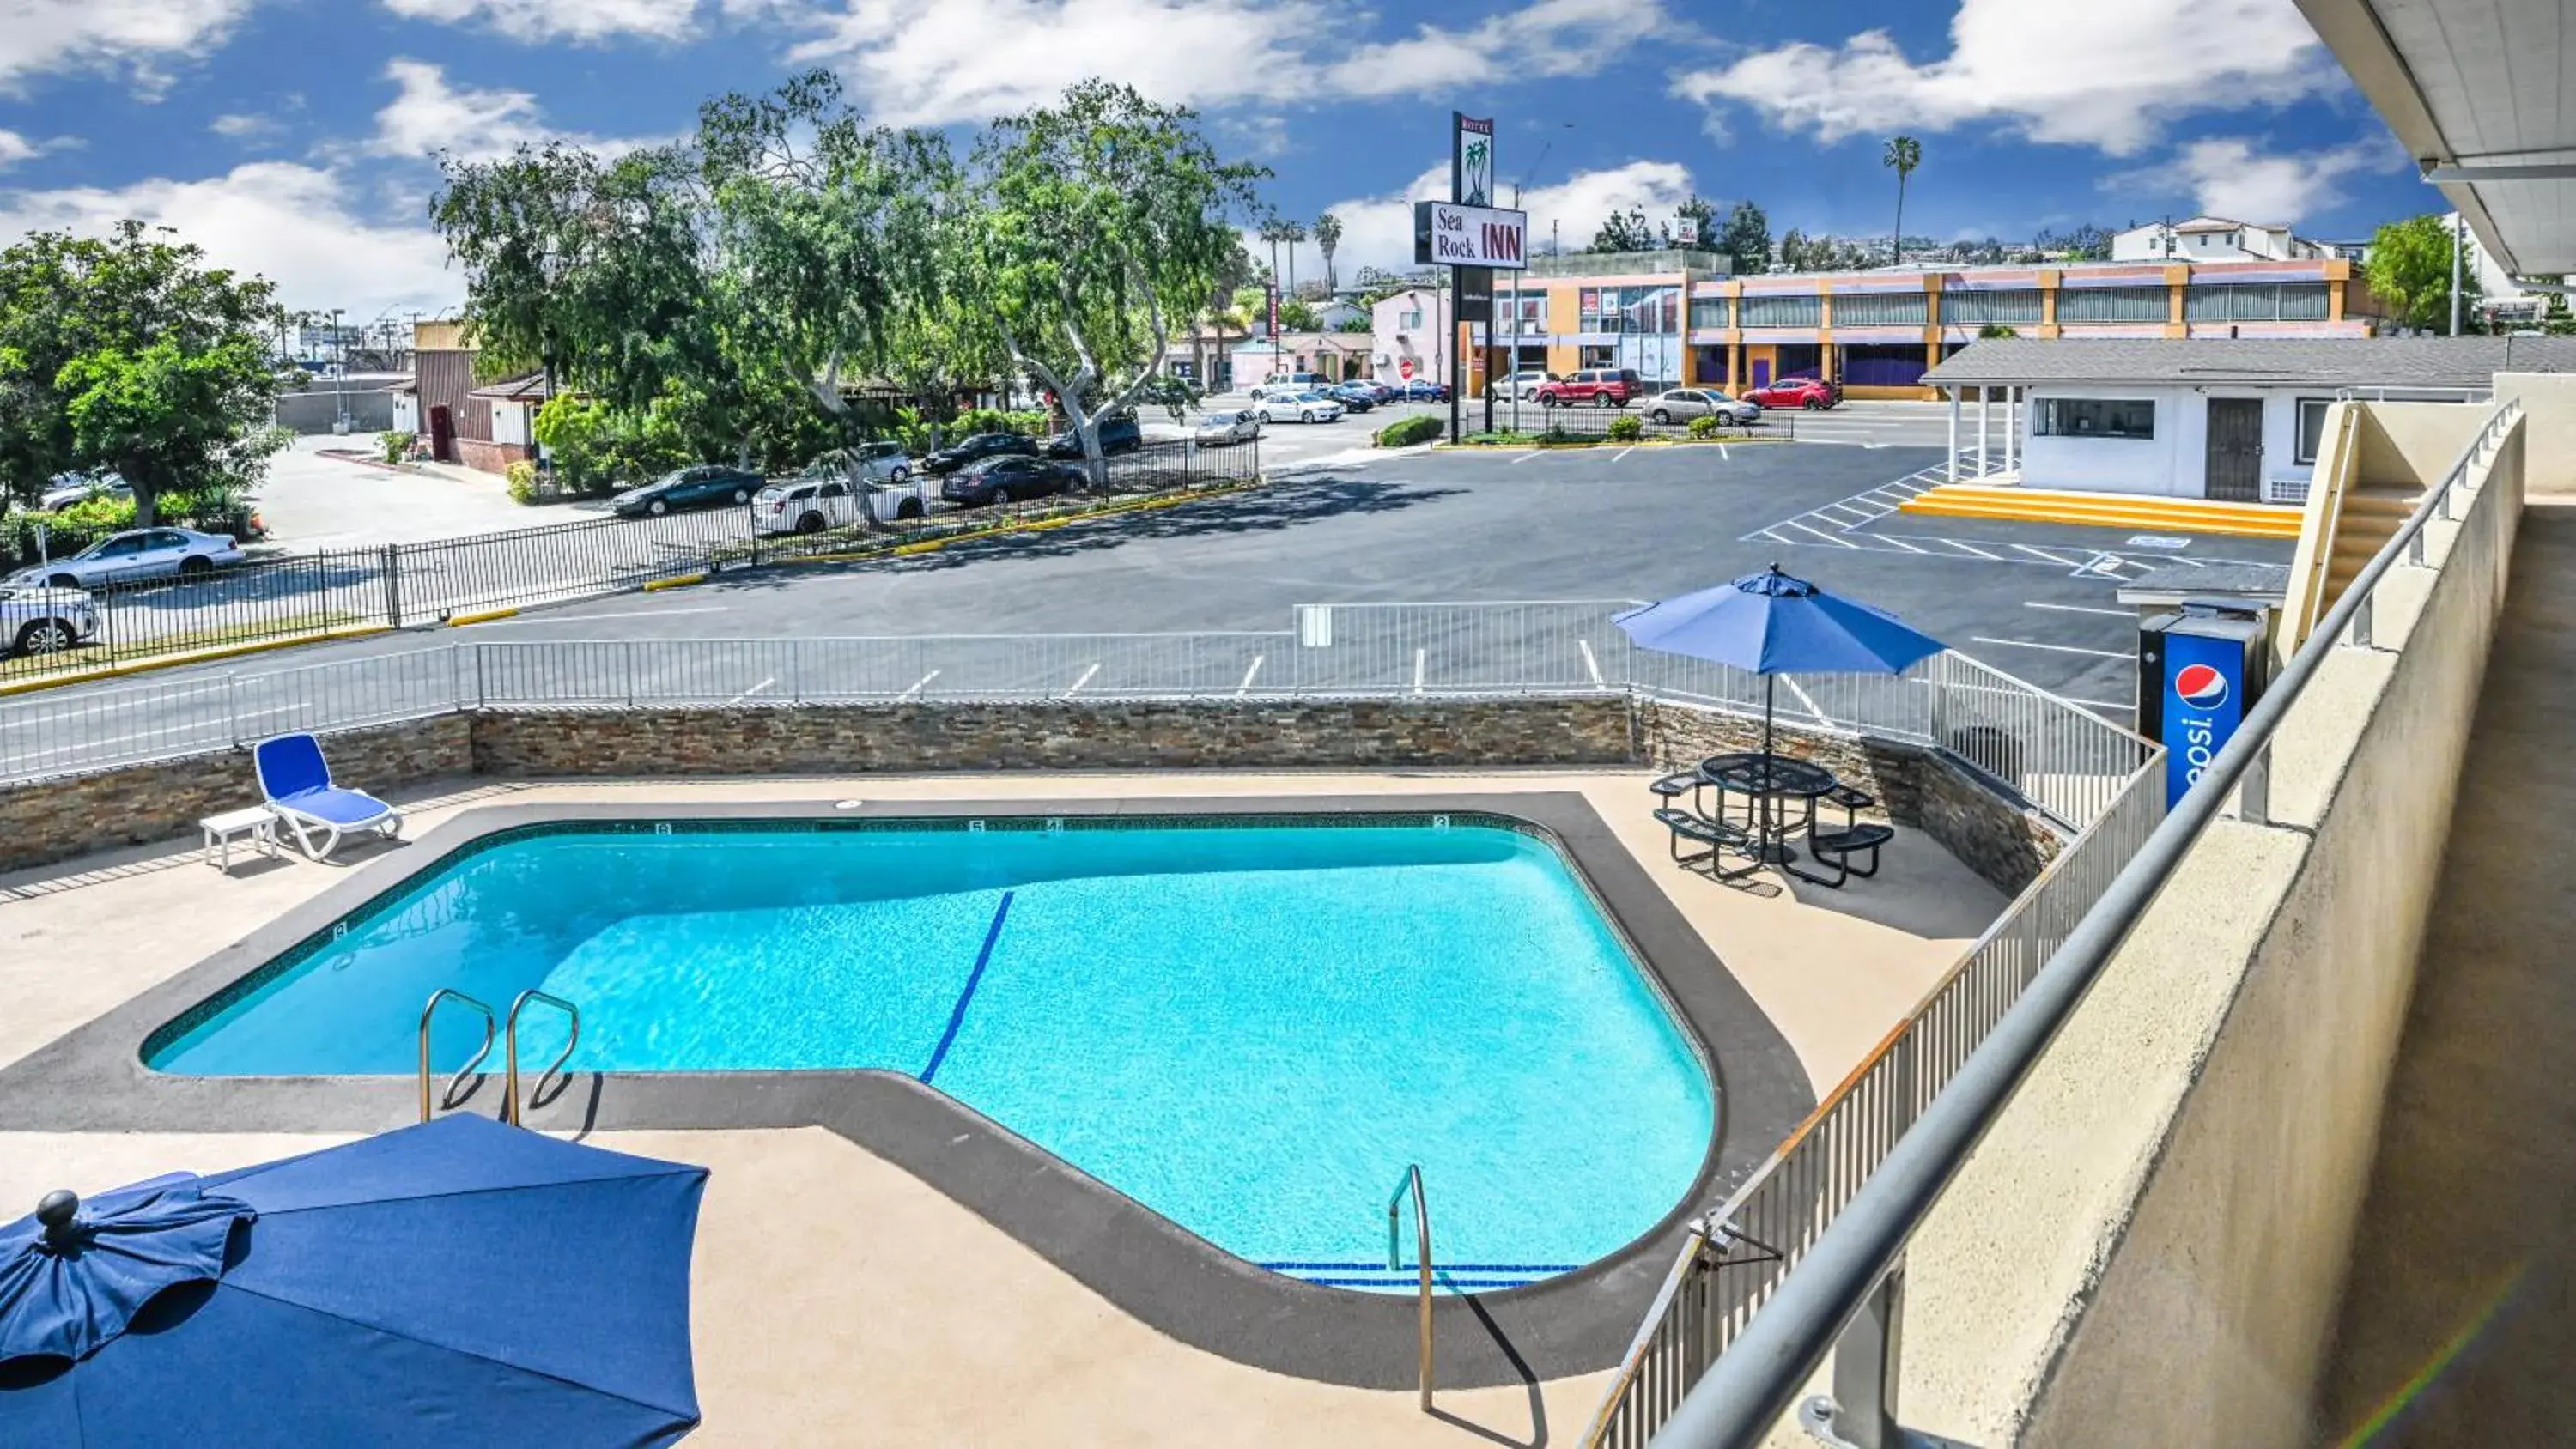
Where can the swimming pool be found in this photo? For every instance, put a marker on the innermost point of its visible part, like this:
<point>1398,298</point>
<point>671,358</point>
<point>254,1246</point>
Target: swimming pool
<point>1250,1028</point>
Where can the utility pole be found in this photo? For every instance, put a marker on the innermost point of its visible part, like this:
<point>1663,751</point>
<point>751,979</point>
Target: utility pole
<point>2456,249</point>
<point>341,382</point>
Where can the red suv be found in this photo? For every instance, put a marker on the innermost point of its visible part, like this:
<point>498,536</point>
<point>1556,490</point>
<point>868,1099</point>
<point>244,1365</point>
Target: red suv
<point>1797,392</point>
<point>1600,387</point>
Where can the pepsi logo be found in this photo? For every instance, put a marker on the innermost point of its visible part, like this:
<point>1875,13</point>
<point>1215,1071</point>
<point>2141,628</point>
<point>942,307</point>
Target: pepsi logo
<point>2200,686</point>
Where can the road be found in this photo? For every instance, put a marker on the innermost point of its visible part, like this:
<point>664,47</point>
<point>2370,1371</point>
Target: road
<point>1599,524</point>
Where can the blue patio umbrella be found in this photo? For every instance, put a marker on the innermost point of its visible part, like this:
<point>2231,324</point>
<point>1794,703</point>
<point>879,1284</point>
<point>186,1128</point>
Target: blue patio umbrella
<point>1771,623</point>
<point>458,1282</point>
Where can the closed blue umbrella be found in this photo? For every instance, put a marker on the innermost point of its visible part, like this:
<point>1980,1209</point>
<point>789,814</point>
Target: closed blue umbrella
<point>1773,623</point>
<point>457,1282</point>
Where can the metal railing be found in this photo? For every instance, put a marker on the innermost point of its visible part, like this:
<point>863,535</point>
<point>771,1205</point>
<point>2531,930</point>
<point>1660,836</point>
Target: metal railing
<point>1848,1274</point>
<point>2068,762</point>
<point>510,1106</point>
<point>1411,1185</point>
<point>447,1098</point>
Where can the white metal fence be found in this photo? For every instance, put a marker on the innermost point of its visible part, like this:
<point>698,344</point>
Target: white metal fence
<point>2057,755</point>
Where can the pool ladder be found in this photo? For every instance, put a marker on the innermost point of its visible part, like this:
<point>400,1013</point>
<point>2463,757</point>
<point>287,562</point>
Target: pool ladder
<point>1411,1184</point>
<point>509,1030</point>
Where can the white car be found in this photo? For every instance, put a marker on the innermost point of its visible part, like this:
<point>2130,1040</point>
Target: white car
<point>137,554</point>
<point>1285,384</point>
<point>881,462</point>
<point>1300,407</point>
<point>1523,385</point>
<point>1685,403</point>
<point>1220,430</point>
<point>41,620</point>
<point>68,489</point>
<point>811,504</point>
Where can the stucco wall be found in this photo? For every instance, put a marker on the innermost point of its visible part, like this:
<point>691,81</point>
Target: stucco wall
<point>2175,462</point>
<point>2148,1248</point>
<point>2549,416</point>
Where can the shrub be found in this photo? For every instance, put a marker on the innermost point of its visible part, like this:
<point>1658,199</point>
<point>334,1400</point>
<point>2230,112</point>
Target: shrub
<point>397,445</point>
<point>1704,426</point>
<point>1627,428</point>
<point>523,481</point>
<point>1556,433</point>
<point>1409,431</point>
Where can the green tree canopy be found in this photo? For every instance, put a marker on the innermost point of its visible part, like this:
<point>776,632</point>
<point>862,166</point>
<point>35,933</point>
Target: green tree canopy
<point>1625,232</point>
<point>127,352</point>
<point>2410,273</point>
<point>1746,239</point>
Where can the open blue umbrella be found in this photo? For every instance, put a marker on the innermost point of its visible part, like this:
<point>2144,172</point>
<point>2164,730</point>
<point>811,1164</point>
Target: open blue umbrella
<point>458,1282</point>
<point>1773,623</point>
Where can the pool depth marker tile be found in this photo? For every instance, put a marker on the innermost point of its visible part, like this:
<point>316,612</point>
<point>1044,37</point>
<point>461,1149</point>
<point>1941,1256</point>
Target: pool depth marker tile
<point>957,1013</point>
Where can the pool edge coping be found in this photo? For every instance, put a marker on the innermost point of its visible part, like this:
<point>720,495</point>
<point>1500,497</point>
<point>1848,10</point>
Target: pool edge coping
<point>93,1079</point>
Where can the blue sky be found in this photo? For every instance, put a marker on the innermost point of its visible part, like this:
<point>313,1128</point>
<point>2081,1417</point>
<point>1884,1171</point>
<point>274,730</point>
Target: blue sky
<point>290,136</point>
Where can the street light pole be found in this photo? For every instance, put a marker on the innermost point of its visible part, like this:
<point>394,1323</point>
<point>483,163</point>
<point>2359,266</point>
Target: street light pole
<point>341,383</point>
<point>2455,271</point>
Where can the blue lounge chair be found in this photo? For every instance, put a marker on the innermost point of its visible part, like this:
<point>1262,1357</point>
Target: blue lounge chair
<point>297,783</point>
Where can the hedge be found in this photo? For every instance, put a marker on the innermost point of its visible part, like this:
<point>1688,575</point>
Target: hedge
<point>1408,432</point>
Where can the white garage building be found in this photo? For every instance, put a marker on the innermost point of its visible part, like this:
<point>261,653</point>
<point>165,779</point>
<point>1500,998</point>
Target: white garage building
<point>2229,419</point>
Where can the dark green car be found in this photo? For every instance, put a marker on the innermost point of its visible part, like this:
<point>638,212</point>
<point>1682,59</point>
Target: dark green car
<point>706,485</point>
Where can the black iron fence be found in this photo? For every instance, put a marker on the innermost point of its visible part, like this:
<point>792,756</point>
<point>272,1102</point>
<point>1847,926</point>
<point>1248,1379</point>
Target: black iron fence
<point>1649,419</point>
<point>403,585</point>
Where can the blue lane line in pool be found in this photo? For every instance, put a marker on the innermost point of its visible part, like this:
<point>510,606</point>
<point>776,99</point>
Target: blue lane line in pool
<point>957,1013</point>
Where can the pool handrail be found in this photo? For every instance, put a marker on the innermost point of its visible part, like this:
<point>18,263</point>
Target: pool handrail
<point>448,1097</point>
<point>510,1094</point>
<point>1411,1182</point>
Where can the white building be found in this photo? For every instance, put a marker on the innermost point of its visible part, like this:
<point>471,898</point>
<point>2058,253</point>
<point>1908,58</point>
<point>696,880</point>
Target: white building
<point>1409,336</point>
<point>2212,239</point>
<point>2233,420</point>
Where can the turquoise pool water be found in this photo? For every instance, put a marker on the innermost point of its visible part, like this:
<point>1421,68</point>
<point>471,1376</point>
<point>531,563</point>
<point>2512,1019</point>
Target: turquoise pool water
<point>1251,1029</point>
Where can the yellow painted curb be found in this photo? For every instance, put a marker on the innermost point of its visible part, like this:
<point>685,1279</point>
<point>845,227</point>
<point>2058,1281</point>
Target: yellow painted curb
<point>677,581</point>
<point>194,656</point>
<point>459,621</point>
<point>2107,510</point>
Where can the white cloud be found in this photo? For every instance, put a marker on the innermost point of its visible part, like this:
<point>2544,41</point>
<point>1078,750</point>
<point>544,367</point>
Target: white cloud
<point>1377,231</point>
<point>580,21</point>
<point>14,148</point>
<point>289,222</point>
<point>41,36</point>
<point>2227,176</point>
<point>2107,73</point>
<point>243,126</point>
<point>470,122</point>
<point>936,62</point>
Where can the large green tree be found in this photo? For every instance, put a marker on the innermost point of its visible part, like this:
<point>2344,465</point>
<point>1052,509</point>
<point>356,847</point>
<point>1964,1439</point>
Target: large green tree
<point>2410,273</point>
<point>128,352</point>
<point>1746,239</point>
<point>1100,223</point>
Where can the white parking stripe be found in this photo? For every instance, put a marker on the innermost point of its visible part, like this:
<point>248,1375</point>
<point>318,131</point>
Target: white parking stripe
<point>748,693</point>
<point>552,618</point>
<point>1820,533</point>
<point>919,685</point>
<point>1532,453</point>
<point>1972,548</point>
<point>1591,666</point>
<point>1085,679</point>
<point>2041,553</point>
<point>1245,687</point>
<point>2080,609</point>
<point>2053,648</point>
<point>1623,452</point>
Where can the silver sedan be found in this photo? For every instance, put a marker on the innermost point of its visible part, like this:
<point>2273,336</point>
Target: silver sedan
<point>141,553</point>
<point>1219,430</point>
<point>1685,403</point>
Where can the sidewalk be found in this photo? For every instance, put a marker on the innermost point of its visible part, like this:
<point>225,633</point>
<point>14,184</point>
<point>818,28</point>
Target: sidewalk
<point>310,501</point>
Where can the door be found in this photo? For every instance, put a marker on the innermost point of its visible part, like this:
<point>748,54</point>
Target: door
<point>2235,449</point>
<point>442,435</point>
<point>1761,373</point>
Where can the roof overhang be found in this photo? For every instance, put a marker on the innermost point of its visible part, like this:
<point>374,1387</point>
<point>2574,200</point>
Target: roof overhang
<point>2476,89</point>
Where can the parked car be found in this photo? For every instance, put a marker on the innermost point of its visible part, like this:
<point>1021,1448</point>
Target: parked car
<point>1352,396</point>
<point>1796,392</point>
<point>1600,387</point>
<point>1423,389</point>
<point>1120,434</point>
<point>976,448</point>
<point>1523,384</point>
<point>37,619</point>
<point>1682,404</point>
<point>1286,382</point>
<point>1380,391</point>
<point>1008,479</point>
<point>879,462</point>
<point>813,502</point>
<point>67,489</point>
<point>705,485</point>
<point>1219,430</point>
<point>136,554</point>
<point>1299,407</point>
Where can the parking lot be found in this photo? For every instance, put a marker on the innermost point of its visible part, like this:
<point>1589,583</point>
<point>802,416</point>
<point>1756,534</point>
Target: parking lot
<point>1482,525</point>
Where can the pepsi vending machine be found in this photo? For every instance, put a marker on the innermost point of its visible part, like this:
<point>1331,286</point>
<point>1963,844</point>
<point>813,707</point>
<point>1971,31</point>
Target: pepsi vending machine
<point>2199,671</point>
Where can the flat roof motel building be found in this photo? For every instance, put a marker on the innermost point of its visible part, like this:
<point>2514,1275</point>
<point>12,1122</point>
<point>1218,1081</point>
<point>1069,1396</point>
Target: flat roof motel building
<point>1680,320</point>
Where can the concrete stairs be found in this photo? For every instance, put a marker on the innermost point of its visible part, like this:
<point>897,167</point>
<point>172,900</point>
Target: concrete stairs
<point>2372,514</point>
<point>2108,510</point>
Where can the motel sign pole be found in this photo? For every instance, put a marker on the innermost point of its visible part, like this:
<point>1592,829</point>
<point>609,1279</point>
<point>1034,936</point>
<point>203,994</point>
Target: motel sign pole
<point>1470,236</point>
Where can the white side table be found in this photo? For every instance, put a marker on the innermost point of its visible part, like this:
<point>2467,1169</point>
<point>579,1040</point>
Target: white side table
<point>257,823</point>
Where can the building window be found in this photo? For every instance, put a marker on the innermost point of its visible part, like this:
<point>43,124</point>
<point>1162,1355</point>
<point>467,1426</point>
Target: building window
<point>2312,427</point>
<point>1411,320</point>
<point>1805,311</point>
<point>1709,312</point>
<point>1631,309</point>
<point>2256,302</point>
<point>1879,309</point>
<point>1596,356</point>
<point>2113,304</point>
<point>2094,417</point>
<point>1976,309</point>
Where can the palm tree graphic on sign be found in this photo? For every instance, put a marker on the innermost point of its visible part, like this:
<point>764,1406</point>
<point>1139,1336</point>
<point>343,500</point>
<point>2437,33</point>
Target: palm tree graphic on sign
<point>1480,185</point>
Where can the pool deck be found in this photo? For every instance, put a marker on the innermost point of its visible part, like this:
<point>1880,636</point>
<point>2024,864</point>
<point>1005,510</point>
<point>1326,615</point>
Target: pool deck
<point>935,1324</point>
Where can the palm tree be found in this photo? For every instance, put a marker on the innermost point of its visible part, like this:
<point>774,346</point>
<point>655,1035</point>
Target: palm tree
<point>1328,236</point>
<point>1904,153</point>
<point>1291,233</point>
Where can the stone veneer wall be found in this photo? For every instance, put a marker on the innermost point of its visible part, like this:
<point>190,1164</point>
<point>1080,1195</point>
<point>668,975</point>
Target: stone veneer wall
<point>139,804</point>
<point>1107,735</point>
<point>2006,842</point>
